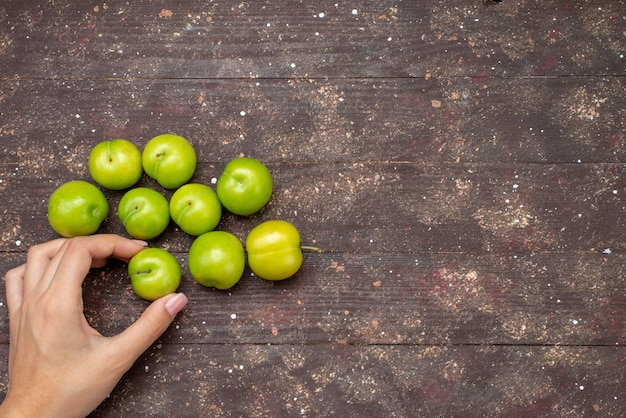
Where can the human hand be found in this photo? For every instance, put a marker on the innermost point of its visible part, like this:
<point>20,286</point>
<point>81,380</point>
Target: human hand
<point>58,364</point>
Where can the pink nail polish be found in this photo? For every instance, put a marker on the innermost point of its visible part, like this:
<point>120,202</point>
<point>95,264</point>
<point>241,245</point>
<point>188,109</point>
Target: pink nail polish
<point>175,304</point>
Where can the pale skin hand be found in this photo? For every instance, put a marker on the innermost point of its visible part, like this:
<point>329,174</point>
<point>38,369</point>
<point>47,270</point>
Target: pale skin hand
<point>59,366</point>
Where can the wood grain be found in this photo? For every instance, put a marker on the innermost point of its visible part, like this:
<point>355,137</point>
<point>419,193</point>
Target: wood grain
<point>358,120</point>
<point>325,39</point>
<point>461,166</point>
<point>326,381</point>
<point>393,208</point>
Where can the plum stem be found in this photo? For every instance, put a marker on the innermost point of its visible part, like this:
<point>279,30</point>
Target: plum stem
<point>309,248</point>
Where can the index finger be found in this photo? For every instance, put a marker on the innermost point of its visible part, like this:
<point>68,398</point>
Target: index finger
<point>14,284</point>
<point>79,254</point>
<point>38,260</point>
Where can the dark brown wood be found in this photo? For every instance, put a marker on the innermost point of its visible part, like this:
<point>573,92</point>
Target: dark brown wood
<point>461,166</point>
<point>547,299</point>
<point>265,39</point>
<point>390,208</point>
<point>357,120</point>
<point>377,380</point>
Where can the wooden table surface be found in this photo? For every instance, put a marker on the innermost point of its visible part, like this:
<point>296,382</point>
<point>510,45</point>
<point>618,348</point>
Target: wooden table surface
<point>461,166</point>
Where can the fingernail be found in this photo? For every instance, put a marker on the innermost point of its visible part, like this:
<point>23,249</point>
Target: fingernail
<point>175,304</point>
<point>140,242</point>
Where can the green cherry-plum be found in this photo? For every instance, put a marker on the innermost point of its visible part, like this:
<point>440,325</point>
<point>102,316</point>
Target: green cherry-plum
<point>195,208</point>
<point>245,186</point>
<point>169,159</point>
<point>144,212</point>
<point>77,208</point>
<point>115,164</point>
<point>154,273</point>
<point>274,250</point>
<point>217,259</point>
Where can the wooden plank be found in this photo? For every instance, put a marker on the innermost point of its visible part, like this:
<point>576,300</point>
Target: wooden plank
<point>382,381</point>
<point>389,208</point>
<point>461,166</point>
<point>550,299</point>
<point>407,120</point>
<point>393,299</point>
<point>325,39</point>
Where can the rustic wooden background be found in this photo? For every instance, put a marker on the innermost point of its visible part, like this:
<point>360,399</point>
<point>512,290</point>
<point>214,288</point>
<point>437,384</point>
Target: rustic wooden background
<point>461,166</point>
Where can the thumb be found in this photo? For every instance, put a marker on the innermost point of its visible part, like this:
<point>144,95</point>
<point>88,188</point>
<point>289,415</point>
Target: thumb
<point>138,337</point>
